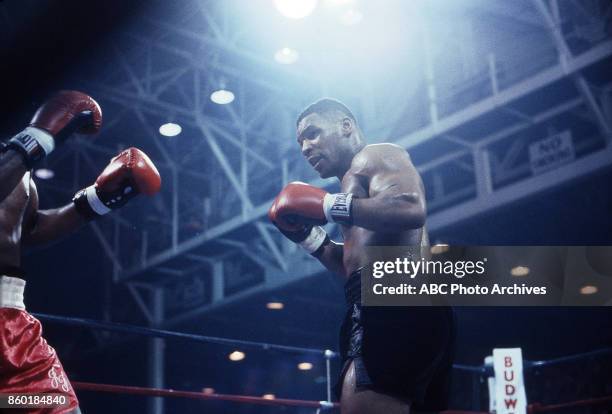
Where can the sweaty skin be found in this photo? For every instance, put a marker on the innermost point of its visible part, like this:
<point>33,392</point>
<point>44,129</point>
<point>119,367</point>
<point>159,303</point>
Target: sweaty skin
<point>388,209</point>
<point>12,168</point>
<point>22,223</point>
<point>384,180</point>
<point>12,212</point>
<point>389,197</point>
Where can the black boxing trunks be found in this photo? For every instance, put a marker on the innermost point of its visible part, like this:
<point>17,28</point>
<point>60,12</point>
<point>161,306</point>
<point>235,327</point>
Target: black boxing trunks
<point>405,351</point>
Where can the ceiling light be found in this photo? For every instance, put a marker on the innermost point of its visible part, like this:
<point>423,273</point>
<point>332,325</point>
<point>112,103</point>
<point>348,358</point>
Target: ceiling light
<point>44,173</point>
<point>222,97</point>
<point>304,366</point>
<point>519,271</point>
<point>295,9</point>
<point>236,356</point>
<point>275,305</point>
<point>268,396</point>
<point>439,248</point>
<point>170,129</point>
<point>338,2</point>
<point>588,290</point>
<point>286,56</point>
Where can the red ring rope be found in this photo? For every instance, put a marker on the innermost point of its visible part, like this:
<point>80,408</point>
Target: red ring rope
<point>537,408</point>
<point>159,392</point>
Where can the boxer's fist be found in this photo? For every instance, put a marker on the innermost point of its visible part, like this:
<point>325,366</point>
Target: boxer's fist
<point>131,168</point>
<point>65,113</point>
<point>298,235</point>
<point>298,204</point>
<point>310,237</point>
<point>296,210</point>
<point>128,174</point>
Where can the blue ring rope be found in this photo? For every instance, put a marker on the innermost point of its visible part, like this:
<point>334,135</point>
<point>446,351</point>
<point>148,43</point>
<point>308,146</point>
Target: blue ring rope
<point>161,333</point>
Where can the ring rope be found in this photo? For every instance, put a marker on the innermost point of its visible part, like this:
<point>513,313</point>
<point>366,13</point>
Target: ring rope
<point>537,408</point>
<point>569,358</point>
<point>161,392</point>
<point>161,333</point>
<point>327,354</point>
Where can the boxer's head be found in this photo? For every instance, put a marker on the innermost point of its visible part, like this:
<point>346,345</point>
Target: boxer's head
<point>328,136</point>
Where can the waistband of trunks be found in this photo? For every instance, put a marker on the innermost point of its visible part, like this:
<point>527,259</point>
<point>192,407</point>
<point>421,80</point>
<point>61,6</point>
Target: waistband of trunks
<point>11,292</point>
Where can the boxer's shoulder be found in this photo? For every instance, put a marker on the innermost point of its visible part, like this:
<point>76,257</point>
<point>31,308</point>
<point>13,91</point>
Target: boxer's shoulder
<point>18,198</point>
<point>375,156</point>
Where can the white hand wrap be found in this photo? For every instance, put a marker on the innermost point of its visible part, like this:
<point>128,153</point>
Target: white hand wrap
<point>315,239</point>
<point>337,207</point>
<point>94,201</point>
<point>44,139</point>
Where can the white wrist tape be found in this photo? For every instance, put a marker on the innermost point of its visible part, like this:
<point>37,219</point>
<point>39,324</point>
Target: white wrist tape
<point>337,207</point>
<point>44,139</point>
<point>94,202</point>
<point>315,239</point>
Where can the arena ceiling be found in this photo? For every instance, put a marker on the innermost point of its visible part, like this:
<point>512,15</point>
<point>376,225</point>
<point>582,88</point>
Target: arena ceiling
<point>466,97</point>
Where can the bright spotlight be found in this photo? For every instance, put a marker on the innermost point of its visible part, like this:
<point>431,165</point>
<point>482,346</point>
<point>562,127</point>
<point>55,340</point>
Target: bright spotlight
<point>236,356</point>
<point>286,56</point>
<point>295,9</point>
<point>338,2</point>
<point>268,396</point>
<point>170,129</point>
<point>44,173</point>
<point>208,390</point>
<point>304,366</point>
<point>351,17</point>
<point>222,97</point>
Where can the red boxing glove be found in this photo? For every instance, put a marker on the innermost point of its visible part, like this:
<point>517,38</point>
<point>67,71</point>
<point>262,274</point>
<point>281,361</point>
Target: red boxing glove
<point>71,110</point>
<point>300,203</point>
<point>65,113</point>
<point>127,175</point>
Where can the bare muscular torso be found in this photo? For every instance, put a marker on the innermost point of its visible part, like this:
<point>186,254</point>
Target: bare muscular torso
<point>14,213</point>
<point>356,239</point>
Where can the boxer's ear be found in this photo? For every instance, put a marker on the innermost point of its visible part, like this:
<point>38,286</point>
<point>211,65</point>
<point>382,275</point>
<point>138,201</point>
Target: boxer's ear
<point>347,126</point>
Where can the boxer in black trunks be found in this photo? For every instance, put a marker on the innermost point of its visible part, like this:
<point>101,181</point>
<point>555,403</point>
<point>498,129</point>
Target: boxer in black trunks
<point>395,359</point>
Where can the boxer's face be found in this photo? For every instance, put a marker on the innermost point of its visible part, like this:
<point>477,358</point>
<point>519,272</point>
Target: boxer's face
<point>320,139</point>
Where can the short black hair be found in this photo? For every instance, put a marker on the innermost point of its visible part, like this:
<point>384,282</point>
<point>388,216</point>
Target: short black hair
<point>323,106</point>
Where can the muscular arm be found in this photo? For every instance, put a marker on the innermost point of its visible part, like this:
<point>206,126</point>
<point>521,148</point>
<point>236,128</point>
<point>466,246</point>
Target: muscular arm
<point>12,169</point>
<point>330,256</point>
<point>43,226</point>
<point>396,198</point>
